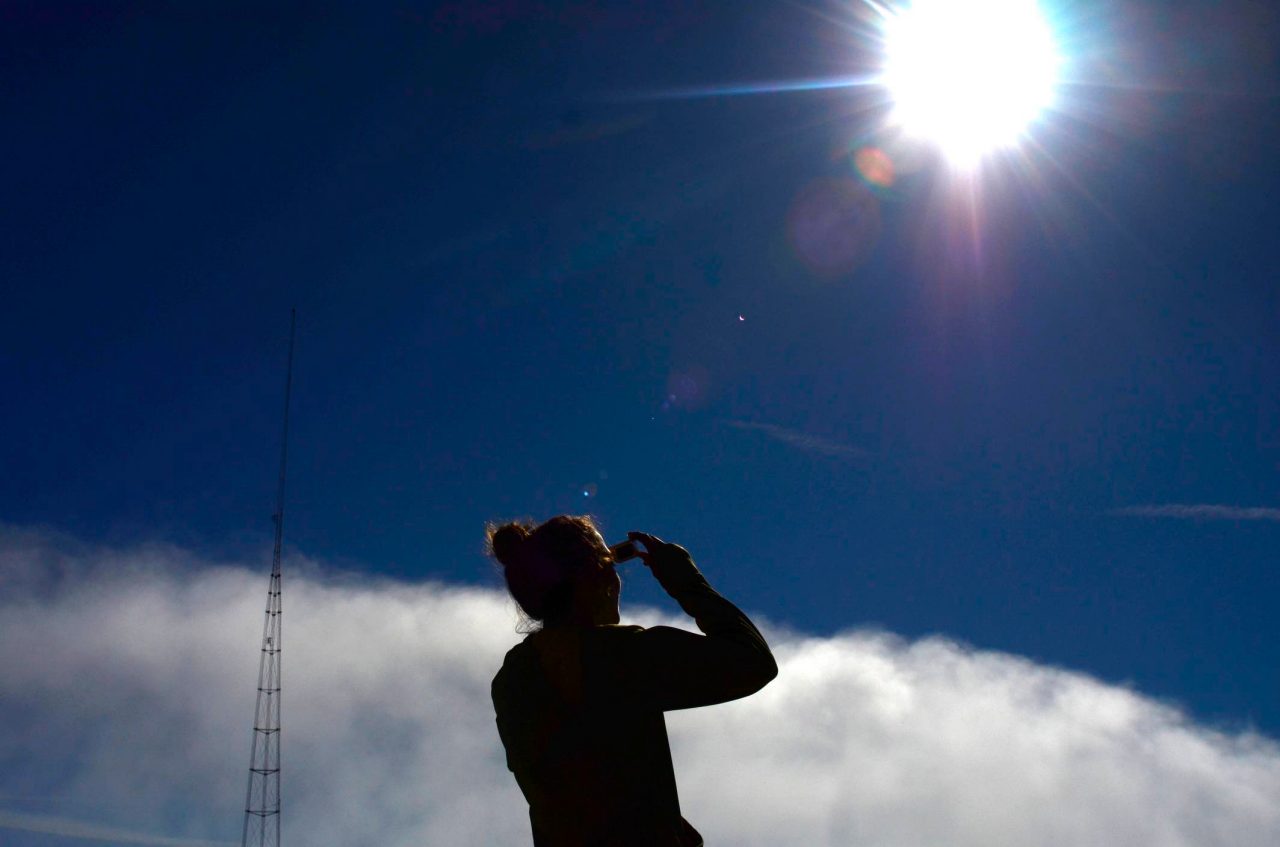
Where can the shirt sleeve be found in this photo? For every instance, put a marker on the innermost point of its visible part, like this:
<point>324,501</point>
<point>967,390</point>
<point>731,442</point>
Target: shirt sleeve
<point>676,669</point>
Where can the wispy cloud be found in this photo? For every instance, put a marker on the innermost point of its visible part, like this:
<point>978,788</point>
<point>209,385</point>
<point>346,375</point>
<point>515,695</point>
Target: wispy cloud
<point>803,440</point>
<point>126,694</point>
<point>68,828</point>
<point>1201,512</point>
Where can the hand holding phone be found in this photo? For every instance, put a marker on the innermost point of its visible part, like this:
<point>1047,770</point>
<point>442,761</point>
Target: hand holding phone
<point>624,551</point>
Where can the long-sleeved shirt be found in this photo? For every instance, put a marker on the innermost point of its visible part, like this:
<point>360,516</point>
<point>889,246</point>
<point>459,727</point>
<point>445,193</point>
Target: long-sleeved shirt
<point>580,712</point>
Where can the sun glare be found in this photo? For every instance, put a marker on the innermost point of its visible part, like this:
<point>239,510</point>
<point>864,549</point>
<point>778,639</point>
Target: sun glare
<point>969,75</point>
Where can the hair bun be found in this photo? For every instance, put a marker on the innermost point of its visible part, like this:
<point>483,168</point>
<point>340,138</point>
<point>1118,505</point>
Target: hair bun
<point>508,542</point>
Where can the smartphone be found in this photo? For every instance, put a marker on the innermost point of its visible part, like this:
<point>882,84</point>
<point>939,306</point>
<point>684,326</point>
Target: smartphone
<point>623,551</point>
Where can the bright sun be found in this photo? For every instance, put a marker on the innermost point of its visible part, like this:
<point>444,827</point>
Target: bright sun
<point>969,75</point>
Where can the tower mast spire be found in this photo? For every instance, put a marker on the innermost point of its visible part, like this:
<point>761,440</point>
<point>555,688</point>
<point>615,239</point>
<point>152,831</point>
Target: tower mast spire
<point>262,799</point>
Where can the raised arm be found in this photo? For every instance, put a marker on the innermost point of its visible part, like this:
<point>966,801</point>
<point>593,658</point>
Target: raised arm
<point>676,669</point>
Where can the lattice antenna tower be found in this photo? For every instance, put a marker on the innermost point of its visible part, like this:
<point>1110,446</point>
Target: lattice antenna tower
<point>262,799</point>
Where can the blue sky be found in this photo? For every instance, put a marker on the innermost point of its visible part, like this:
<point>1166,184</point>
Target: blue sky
<point>530,279</point>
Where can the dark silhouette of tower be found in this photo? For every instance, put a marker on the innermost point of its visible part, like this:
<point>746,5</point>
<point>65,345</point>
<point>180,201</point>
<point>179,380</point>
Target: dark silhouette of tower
<point>262,800</point>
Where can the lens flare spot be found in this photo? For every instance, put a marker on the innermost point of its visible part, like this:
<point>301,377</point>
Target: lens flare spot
<point>832,226</point>
<point>875,166</point>
<point>687,388</point>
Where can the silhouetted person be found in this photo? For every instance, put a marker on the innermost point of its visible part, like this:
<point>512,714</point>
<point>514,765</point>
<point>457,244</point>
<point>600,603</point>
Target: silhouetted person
<point>579,702</point>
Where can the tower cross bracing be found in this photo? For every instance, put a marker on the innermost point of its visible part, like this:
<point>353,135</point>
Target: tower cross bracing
<point>262,799</point>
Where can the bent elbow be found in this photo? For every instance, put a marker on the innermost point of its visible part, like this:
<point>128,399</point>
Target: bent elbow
<point>764,672</point>
<point>770,671</point>
<point>749,671</point>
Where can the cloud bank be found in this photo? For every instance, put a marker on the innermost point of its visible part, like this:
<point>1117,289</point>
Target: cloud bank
<point>1201,512</point>
<point>126,693</point>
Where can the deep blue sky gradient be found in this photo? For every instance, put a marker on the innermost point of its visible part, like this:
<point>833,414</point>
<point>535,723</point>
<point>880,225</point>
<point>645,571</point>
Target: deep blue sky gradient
<point>506,254</point>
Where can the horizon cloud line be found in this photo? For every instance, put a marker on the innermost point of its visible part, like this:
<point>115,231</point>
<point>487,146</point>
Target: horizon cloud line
<point>865,736</point>
<point>72,828</point>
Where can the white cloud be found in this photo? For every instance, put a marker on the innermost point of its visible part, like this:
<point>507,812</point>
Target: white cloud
<point>1201,512</point>
<point>126,690</point>
<point>803,440</point>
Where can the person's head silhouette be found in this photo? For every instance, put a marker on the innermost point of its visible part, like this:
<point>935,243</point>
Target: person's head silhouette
<point>560,572</point>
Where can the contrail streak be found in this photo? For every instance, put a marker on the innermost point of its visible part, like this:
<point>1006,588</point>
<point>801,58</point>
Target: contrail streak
<point>804,440</point>
<point>1201,512</point>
